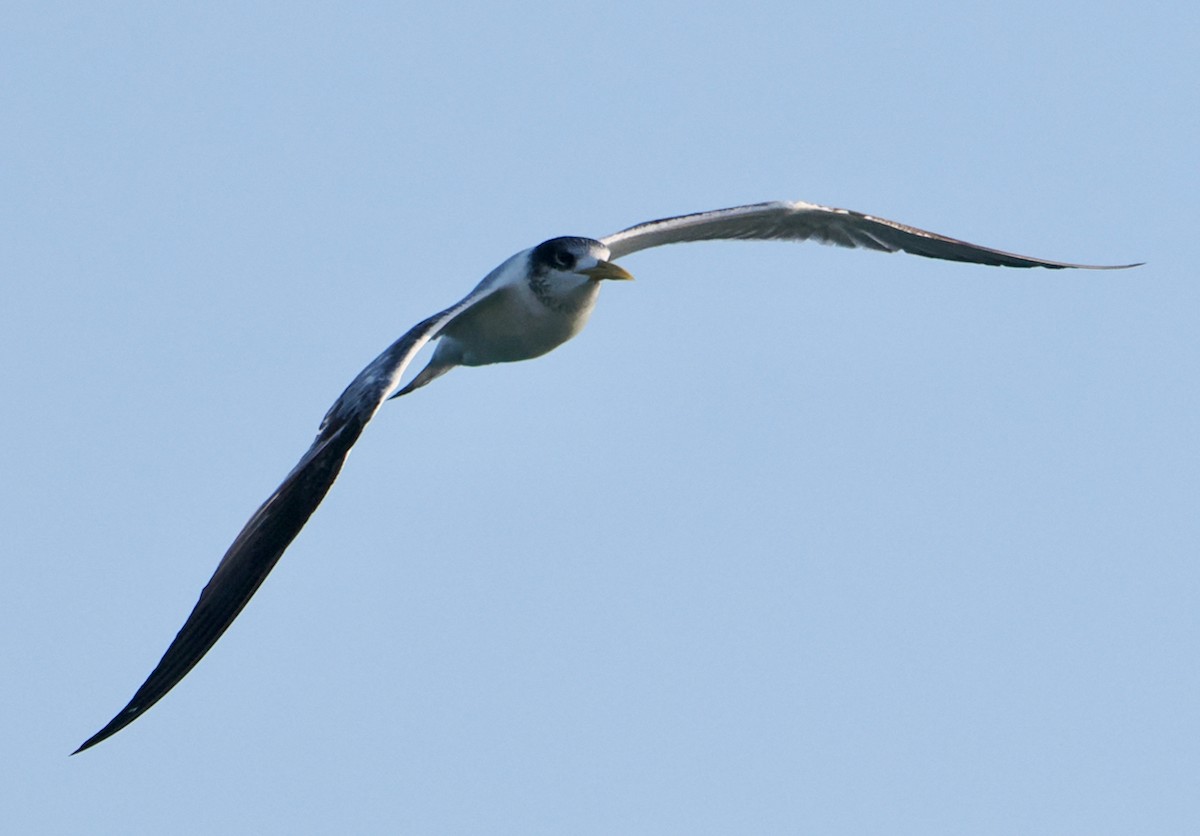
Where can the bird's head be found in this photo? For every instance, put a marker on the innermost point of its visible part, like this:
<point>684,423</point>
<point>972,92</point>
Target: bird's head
<point>565,263</point>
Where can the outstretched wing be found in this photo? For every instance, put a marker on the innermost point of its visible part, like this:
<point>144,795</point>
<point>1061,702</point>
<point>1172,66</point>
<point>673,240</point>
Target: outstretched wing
<point>277,522</point>
<point>801,221</point>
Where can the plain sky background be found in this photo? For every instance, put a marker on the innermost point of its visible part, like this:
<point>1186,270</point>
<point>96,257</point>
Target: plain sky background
<point>793,540</point>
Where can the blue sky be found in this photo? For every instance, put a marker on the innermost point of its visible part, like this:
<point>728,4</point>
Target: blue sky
<point>790,540</point>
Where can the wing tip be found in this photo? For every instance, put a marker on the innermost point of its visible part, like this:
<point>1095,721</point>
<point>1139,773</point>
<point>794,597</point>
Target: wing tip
<point>1096,266</point>
<point>126,716</point>
<point>98,737</point>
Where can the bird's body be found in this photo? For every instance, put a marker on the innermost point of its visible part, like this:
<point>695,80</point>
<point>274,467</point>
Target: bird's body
<point>527,308</point>
<point>529,305</point>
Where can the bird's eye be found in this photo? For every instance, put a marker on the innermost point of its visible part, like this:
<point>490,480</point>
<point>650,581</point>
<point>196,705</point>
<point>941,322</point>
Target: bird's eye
<point>562,259</point>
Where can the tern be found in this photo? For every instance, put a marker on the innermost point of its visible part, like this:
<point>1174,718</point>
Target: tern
<point>529,305</point>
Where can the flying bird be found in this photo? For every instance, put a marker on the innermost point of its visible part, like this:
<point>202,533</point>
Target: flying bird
<point>529,305</point>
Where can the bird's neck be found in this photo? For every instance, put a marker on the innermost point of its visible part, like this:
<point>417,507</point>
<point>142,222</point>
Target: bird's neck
<point>571,299</point>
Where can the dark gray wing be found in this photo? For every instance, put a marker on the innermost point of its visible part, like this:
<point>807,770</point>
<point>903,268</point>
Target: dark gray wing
<point>801,221</point>
<point>277,522</point>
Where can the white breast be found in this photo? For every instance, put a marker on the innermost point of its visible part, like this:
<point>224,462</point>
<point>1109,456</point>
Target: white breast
<point>514,324</point>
